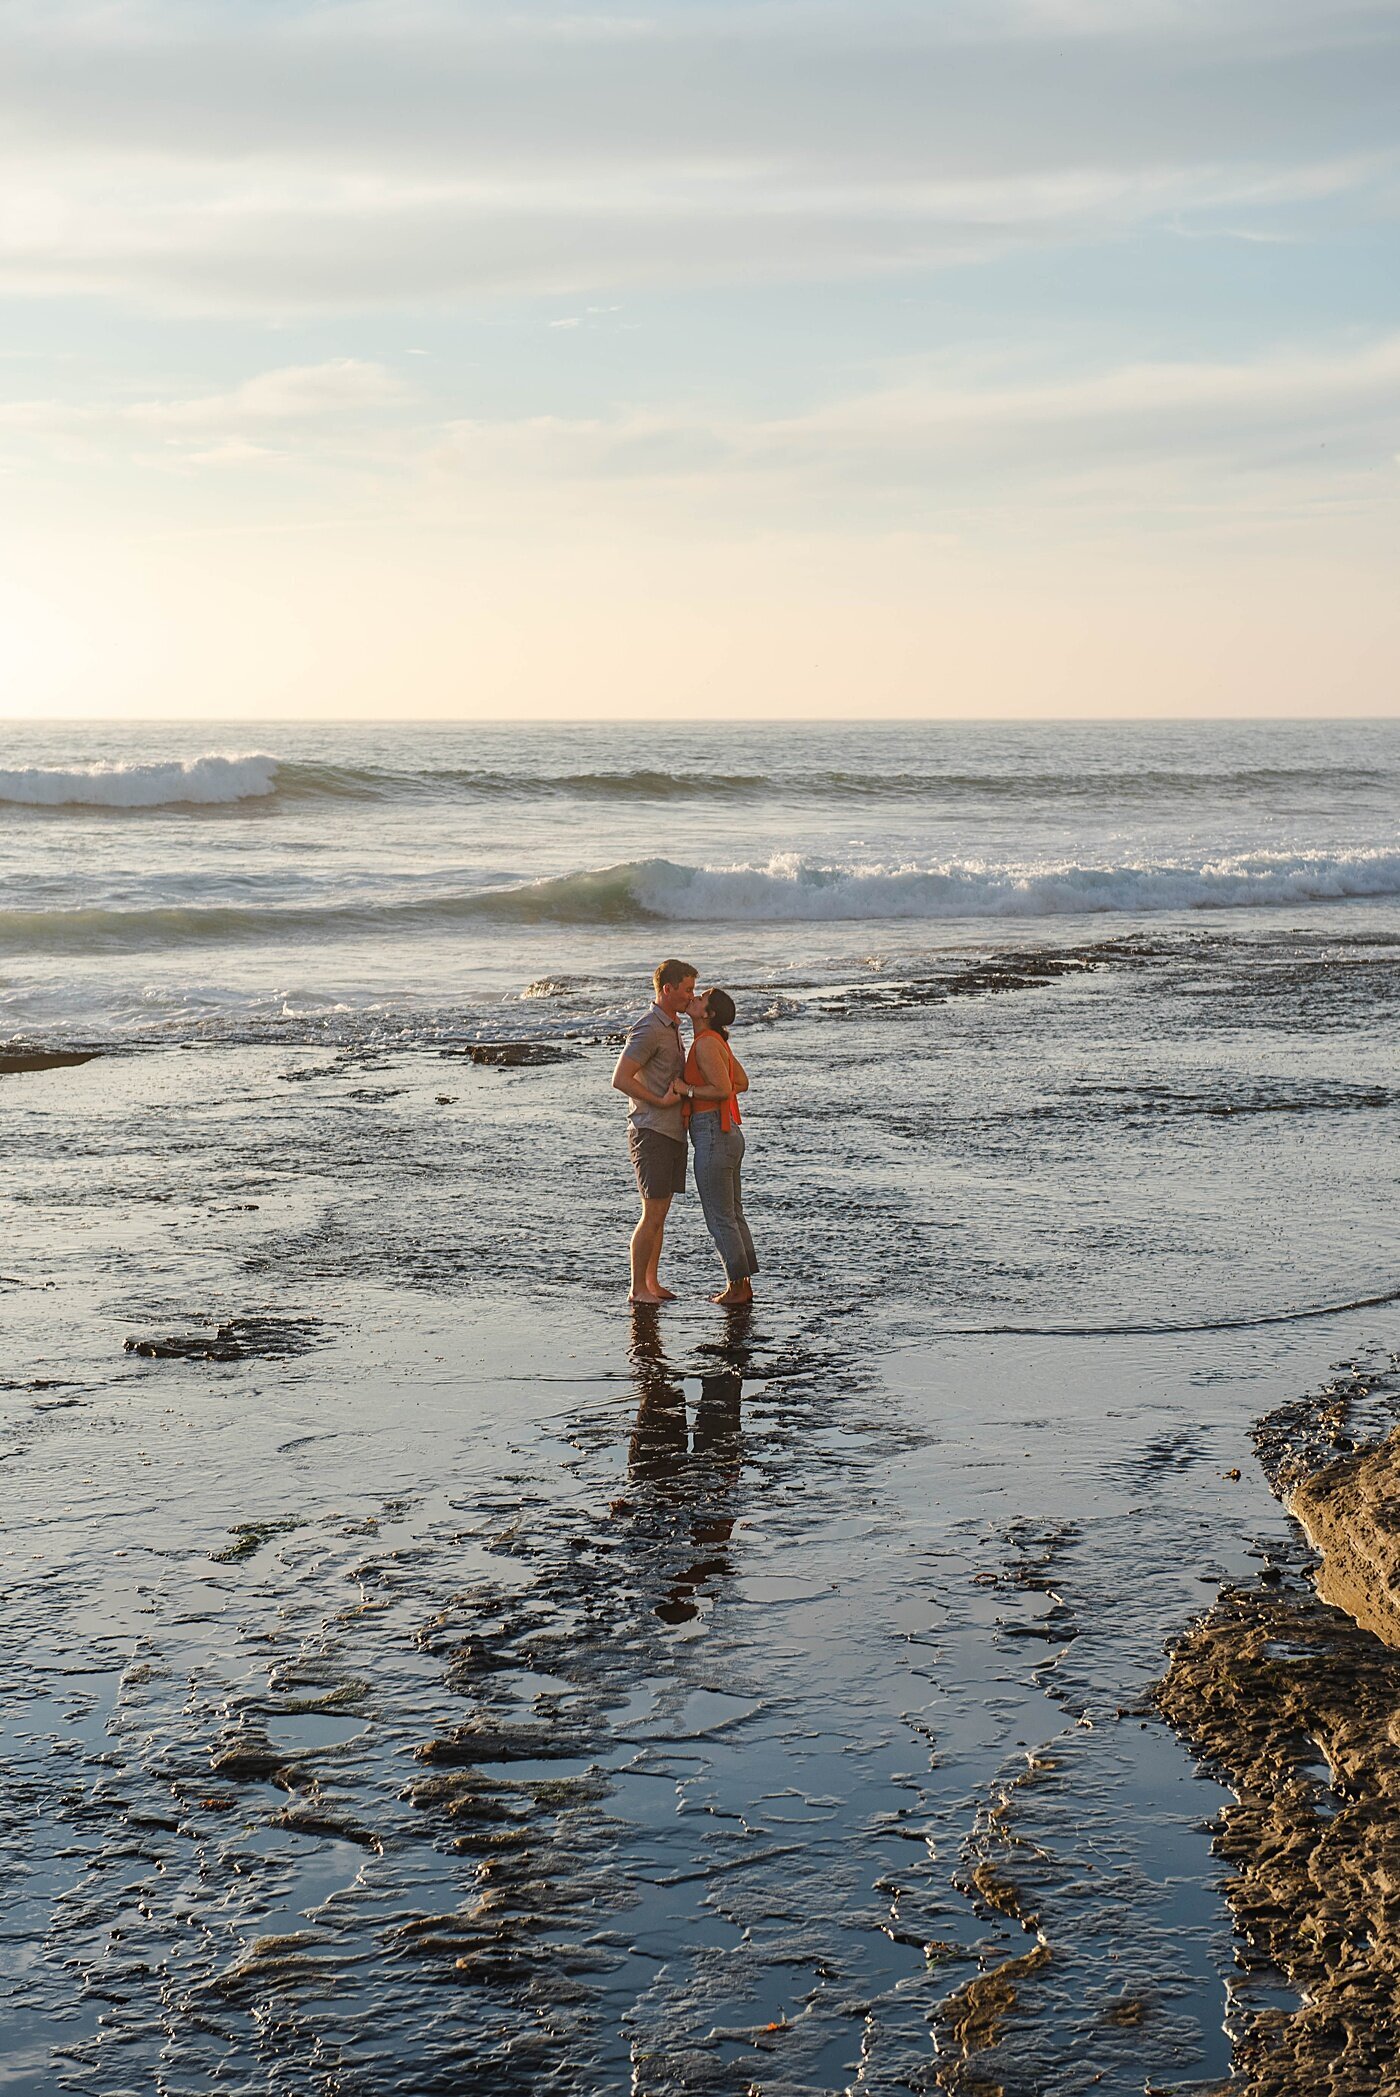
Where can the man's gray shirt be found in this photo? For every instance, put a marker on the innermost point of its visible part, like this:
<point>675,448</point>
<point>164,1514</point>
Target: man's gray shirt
<point>654,1045</point>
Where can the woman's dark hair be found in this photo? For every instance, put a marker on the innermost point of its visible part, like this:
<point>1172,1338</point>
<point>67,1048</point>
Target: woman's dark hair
<point>719,1012</point>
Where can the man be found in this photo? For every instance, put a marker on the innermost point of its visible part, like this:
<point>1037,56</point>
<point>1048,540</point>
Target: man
<point>649,1071</point>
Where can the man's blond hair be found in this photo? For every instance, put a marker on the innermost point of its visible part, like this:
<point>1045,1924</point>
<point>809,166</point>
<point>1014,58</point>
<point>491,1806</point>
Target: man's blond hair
<point>670,973</point>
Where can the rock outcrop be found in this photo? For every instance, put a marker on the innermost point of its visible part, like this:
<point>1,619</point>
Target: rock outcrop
<point>1293,1697</point>
<point>1351,1512</point>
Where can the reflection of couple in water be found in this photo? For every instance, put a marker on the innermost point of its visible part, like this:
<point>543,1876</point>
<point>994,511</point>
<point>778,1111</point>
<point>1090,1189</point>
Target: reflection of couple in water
<point>685,1476</point>
<point>671,1091</point>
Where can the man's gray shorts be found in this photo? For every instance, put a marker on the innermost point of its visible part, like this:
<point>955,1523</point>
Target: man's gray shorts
<point>659,1163</point>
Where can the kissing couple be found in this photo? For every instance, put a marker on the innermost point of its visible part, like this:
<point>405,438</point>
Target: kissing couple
<point>670,1092</point>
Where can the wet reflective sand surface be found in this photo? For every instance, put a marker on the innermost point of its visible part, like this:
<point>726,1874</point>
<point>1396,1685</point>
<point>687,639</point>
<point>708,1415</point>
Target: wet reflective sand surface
<point>424,1675</point>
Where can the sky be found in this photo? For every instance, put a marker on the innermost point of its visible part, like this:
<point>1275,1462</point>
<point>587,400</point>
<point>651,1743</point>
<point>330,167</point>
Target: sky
<point>716,358</point>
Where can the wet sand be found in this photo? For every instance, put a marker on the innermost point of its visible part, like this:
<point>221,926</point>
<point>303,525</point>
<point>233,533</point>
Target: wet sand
<point>426,1675</point>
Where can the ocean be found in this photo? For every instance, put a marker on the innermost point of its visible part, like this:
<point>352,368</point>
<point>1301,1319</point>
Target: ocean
<point>426,1676</point>
<point>378,882</point>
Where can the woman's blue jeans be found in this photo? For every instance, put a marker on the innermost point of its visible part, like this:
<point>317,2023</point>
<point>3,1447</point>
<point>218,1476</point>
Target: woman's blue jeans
<point>718,1155</point>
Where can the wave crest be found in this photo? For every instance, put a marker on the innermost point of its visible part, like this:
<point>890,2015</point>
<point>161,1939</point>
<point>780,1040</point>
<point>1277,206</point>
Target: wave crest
<point>175,783</point>
<point>786,890</point>
<point>793,889</point>
<point>217,778</point>
<point>306,781</point>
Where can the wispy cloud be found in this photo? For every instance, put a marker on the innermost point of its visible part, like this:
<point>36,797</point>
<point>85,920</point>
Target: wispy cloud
<point>233,451</point>
<point>292,394</point>
<point>1298,420</point>
<point>357,154</point>
<point>1305,418</point>
<point>307,414</point>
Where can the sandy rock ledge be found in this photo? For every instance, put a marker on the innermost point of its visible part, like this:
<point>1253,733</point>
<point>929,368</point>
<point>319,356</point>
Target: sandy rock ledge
<point>1296,1703</point>
<point>1351,1512</point>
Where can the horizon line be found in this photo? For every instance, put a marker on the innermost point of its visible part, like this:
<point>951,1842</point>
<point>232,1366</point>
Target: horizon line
<point>700,720</point>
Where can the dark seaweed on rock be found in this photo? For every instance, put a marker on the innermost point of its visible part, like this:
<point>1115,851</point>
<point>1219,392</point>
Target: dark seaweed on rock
<point>994,976</point>
<point>309,1819</point>
<point>249,1537</point>
<point>188,1346</point>
<point>1360,1404</point>
<point>250,1757</point>
<point>1263,1096</point>
<point>514,1055</point>
<point>483,1742</point>
<point>1304,990</point>
<point>234,1341</point>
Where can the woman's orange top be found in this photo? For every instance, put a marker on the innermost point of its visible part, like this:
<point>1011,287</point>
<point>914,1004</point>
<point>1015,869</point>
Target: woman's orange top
<point>729,1115</point>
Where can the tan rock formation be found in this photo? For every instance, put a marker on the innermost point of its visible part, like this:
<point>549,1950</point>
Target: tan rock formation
<point>1351,1511</point>
<point>1298,1708</point>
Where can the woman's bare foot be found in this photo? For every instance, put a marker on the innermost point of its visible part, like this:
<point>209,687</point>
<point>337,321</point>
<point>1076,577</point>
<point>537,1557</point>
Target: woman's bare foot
<point>655,1288</point>
<point>644,1296</point>
<point>737,1292</point>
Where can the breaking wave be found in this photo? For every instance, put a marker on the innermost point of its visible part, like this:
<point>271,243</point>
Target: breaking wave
<point>787,889</point>
<point>194,782</point>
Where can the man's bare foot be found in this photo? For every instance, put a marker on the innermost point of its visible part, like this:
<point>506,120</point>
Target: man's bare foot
<point>645,1296</point>
<point>737,1292</point>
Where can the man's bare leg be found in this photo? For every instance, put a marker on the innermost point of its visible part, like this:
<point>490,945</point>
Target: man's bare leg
<point>646,1252</point>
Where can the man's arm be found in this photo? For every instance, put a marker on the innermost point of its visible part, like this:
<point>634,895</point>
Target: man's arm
<point>628,1078</point>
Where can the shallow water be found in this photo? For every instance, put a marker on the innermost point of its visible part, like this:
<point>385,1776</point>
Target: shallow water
<point>810,1650</point>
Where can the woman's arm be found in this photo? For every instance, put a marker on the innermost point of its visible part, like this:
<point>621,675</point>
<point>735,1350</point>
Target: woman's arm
<point>710,1052</point>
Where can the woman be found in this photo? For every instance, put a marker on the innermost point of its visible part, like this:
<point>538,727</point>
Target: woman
<point>714,1078</point>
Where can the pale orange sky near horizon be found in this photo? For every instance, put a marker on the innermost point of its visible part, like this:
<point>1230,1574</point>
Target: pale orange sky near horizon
<point>1032,360</point>
<point>721,633</point>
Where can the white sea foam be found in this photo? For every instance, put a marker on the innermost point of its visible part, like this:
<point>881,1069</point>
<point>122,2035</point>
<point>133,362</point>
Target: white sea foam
<point>195,781</point>
<point>792,888</point>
